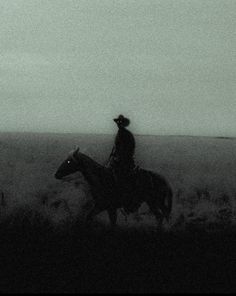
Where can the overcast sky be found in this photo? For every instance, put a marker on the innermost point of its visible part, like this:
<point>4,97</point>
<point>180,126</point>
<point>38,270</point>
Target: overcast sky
<point>72,65</point>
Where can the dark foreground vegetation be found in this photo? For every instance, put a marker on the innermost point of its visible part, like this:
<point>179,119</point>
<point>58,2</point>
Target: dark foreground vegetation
<point>36,257</point>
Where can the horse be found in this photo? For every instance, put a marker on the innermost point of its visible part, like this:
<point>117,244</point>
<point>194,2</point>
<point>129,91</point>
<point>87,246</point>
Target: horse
<point>148,187</point>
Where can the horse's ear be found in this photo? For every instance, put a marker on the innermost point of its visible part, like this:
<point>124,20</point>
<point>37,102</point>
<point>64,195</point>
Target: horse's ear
<point>76,150</point>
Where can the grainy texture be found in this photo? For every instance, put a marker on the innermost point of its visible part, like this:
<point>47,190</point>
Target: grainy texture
<point>46,247</point>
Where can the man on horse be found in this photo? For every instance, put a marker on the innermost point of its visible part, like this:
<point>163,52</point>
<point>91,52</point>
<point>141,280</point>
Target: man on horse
<point>122,163</point>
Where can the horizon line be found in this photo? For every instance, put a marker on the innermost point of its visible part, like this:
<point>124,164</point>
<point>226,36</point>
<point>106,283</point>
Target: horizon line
<point>110,134</point>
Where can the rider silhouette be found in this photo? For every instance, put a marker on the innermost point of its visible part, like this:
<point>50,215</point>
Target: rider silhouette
<point>122,159</point>
<point>122,156</point>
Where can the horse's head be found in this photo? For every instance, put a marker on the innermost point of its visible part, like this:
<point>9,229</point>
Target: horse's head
<point>69,166</point>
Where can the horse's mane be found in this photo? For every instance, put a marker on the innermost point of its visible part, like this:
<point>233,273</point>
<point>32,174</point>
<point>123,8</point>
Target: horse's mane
<point>94,171</point>
<point>81,156</point>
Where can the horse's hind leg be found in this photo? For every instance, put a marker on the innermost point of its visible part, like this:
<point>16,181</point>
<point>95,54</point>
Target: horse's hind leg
<point>160,219</point>
<point>157,213</point>
<point>112,216</point>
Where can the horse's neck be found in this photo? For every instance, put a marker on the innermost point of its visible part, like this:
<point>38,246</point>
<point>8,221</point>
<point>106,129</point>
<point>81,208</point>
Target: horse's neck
<point>90,168</point>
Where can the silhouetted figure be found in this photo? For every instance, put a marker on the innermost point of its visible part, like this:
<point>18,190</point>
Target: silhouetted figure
<point>122,155</point>
<point>122,159</point>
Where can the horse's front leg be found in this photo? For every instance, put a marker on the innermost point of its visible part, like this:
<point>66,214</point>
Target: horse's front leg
<point>112,213</point>
<point>95,210</point>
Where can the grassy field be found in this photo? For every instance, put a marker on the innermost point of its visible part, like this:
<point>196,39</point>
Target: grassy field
<point>45,246</point>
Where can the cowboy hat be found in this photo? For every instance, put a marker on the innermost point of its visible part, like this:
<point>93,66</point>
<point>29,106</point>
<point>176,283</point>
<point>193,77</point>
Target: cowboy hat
<point>121,120</point>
